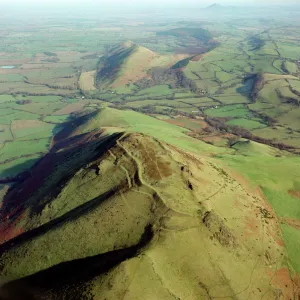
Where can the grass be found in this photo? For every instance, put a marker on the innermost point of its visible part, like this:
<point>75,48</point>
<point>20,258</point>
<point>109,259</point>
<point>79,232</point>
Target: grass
<point>126,89</point>
<point>279,134</point>
<point>284,205</point>
<point>11,78</point>
<point>41,108</point>
<point>232,99</point>
<point>264,65</point>
<point>17,166</point>
<point>289,50</point>
<point>278,64</point>
<point>224,76</point>
<point>40,99</point>
<point>291,67</point>
<point>286,92</point>
<point>291,118</point>
<point>266,175</point>
<point>57,119</point>
<point>295,84</point>
<point>158,90</point>
<point>5,133</point>
<point>292,240</point>
<point>135,122</point>
<point>6,98</point>
<point>246,123</point>
<point>18,116</point>
<point>249,148</point>
<point>184,94</point>
<point>40,129</point>
<point>169,103</point>
<point>228,111</point>
<point>17,149</point>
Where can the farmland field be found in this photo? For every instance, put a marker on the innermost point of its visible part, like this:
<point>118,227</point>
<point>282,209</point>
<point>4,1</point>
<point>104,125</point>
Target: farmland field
<point>50,82</point>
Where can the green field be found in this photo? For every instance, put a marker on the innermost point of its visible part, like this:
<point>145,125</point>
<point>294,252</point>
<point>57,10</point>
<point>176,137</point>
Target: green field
<point>246,123</point>
<point>160,90</point>
<point>228,111</point>
<point>292,238</point>
<point>291,67</point>
<point>21,148</point>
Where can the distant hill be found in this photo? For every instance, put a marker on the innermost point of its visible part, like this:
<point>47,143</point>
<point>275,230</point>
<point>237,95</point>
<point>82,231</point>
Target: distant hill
<point>214,6</point>
<point>128,62</point>
<point>200,34</point>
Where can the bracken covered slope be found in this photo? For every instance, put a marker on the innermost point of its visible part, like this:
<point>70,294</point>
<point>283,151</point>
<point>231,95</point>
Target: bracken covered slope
<point>127,216</point>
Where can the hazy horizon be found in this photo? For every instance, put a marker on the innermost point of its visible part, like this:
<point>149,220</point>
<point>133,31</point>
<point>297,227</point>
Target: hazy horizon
<point>148,3</point>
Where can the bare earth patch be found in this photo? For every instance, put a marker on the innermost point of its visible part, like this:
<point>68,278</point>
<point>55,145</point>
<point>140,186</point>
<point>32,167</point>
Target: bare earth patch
<point>295,193</point>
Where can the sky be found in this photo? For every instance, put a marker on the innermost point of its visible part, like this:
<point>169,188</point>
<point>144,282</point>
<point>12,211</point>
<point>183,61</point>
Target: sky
<point>198,3</point>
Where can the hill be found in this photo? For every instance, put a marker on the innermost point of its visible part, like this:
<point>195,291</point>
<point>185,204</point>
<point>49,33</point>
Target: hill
<point>200,34</point>
<point>123,208</point>
<point>128,63</point>
<point>214,6</point>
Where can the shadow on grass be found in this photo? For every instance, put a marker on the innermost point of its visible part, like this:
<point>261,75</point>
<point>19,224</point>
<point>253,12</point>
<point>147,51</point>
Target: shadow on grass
<point>248,86</point>
<point>17,172</point>
<point>66,280</point>
<point>50,174</point>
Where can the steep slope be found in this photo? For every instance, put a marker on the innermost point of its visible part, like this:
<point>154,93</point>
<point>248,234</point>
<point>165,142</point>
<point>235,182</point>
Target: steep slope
<point>192,206</point>
<point>128,63</point>
<point>129,216</point>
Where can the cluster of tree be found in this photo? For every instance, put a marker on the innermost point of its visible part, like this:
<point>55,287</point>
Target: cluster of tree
<point>51,60</point>
<point>256,42</point>
<point>90,56</point>
<point>185,82</point>
<point>50,53</point>
<point>267,119</point>
<point>259,83</point>
<point>24,94</point>
<point>81,113</point>
<point>23,102</point>
<point>150,110</point>
<point>63,87</point>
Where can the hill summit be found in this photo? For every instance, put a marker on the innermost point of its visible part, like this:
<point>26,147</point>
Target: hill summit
<point>214,6</point>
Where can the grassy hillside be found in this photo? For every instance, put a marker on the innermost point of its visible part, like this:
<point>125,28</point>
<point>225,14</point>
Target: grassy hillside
<point>130,121</point>
<point>114,206</point>
<point>128,63</point>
